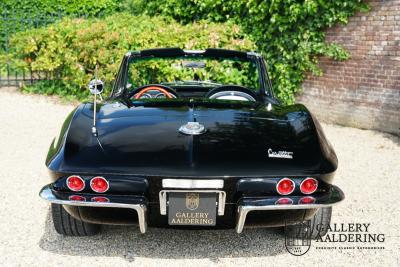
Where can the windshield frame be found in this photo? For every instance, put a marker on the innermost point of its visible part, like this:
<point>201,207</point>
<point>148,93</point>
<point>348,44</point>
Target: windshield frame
<point>120,89</point>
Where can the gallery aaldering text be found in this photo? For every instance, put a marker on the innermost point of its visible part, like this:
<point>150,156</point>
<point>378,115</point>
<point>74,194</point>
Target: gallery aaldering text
<point>351,232</point>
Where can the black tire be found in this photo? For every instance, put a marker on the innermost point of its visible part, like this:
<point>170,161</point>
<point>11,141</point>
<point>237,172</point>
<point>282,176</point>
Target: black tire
<point>320,222</point>
<point>67,225</point>
<point>319,225</point>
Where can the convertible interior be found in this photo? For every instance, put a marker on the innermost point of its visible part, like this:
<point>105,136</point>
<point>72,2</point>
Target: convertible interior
<point>223,92</point>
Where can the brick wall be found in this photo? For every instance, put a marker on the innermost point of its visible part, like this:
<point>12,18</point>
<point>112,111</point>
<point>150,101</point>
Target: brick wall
<point>364,91</point>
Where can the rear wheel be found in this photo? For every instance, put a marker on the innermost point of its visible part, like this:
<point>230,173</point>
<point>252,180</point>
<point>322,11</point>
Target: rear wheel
<point>65,224</point>
<point>318,225</point>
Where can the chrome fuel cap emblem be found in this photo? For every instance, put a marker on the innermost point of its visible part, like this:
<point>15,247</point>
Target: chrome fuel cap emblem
<point>192,128</point>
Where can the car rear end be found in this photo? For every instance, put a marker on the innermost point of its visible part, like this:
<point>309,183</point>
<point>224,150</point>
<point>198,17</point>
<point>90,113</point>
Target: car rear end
<point>251,166</point>
<point>226,202</point>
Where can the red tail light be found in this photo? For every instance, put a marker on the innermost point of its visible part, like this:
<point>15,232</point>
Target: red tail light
<point>308,186</point>
<point>285,186</point>
<point>284,201</point>
<point>77,198</point>
<point>307,200</point>
<point>75,183</point>
<point>100,199</point>
<point>99,184</point>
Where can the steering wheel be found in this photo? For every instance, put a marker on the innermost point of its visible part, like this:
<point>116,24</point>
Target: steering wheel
<point>232,92</point>
<point>163,91</point>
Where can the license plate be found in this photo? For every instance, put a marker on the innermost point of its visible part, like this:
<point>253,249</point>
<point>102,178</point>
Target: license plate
<point>191,208</point>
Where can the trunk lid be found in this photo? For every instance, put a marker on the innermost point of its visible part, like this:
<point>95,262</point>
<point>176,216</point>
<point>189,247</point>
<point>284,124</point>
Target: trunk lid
<point>241,139</point>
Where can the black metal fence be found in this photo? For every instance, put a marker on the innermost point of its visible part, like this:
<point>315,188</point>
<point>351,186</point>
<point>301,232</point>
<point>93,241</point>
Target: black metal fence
<point>11,24</point>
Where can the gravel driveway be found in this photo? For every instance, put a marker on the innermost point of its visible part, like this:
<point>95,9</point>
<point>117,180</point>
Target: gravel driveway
<point>369,173</point>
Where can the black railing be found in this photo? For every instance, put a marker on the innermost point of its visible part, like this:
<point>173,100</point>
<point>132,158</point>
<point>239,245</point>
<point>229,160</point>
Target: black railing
<point>11,24</point>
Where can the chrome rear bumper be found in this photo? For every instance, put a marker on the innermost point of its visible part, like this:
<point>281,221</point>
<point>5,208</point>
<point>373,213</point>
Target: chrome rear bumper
<point>246,205</point>
<point>47,194</point>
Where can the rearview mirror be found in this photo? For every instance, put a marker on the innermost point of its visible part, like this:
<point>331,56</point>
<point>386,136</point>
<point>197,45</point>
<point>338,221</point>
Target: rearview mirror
<point>96,86</point>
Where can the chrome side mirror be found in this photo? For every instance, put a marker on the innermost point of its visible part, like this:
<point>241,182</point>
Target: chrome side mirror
<point>96,86</point>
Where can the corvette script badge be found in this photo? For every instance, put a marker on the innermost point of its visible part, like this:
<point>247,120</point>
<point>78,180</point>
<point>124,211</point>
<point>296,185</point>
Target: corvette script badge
<point>192,128</point>
<point>280,154</point>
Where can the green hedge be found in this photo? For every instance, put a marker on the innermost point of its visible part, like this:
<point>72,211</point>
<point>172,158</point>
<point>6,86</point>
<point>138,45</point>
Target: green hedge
<point>18,15</point>
<point>71,48</point>
<point>290,33</point>
<point>39,8</point>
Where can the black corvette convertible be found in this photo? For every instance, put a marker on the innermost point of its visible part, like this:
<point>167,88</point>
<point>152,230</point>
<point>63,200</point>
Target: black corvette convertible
<point>190,139</point>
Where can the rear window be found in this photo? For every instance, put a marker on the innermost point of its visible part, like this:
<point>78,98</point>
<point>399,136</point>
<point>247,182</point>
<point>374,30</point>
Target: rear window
<point>207,71</point>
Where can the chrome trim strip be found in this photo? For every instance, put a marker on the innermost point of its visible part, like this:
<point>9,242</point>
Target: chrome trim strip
<point>141,209</point>
<point>193,183</point>
<point>221,199</point>
<point>244,210</point>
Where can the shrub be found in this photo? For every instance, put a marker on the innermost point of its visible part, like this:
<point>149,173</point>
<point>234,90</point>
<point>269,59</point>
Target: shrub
<point>289,33</point>
<point>39,8</point>
<point>19,15</point>
<point>71,48</point>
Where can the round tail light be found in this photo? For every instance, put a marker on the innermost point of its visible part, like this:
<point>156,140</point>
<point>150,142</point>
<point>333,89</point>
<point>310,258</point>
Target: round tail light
<point>75,183</point>
<point>77,198</point>
<point>284,201</point>
<point>308,186</point>
<point>285,186</point>
<point>307,200</point>
<point>99,184</point>
<point>100,199</point>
